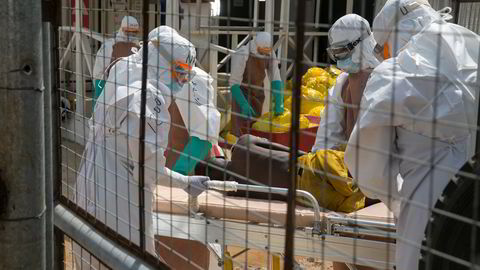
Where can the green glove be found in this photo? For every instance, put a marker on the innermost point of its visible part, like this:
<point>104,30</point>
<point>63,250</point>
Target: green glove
<point>194,151</point>
<point>240,99</point>
<point>99,85</point>
<point>277,91</point>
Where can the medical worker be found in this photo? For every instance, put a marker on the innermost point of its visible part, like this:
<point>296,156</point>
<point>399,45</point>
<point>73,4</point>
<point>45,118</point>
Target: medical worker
<point>195,123</point>
<point>352,48</point>
<point>249,64</point>
<point>107,184</point>
<point>113,48</point>
<point>125,70</point>
<point>195,106</point>
<point>417,116</point>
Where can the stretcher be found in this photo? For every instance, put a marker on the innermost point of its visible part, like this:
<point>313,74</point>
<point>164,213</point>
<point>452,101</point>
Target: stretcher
<point>365,237</point>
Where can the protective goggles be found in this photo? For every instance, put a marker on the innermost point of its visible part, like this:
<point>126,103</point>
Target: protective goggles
<point>130,30</point>
<point>181,72</point>
<point>341,52</point>
<point>264,50</point>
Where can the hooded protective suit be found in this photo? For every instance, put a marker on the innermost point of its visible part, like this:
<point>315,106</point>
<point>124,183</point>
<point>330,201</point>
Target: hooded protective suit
<point>246,81</point>
<point>418,110</point>
<point>107,183</point>
<point>113,48</point>
<point>400,20</point>
<point>165,46</point>
<point>173,48</point>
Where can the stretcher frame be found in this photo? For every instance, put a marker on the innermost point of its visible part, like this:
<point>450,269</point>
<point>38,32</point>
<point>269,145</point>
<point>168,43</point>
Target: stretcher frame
<point>331,237</point>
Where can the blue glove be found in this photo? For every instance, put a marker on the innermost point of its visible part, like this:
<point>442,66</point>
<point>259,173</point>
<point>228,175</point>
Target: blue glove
<point>240,99</point>
<point>196,185</point>
<point>277,90</point>
<point>194,151</point>
<point>99,85</point>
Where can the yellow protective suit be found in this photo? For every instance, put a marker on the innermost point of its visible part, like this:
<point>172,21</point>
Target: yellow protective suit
<point>279,124</point>
<point>325,175</point>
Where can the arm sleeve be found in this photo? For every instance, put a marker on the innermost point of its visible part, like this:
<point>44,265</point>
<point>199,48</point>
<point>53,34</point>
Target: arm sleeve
<point>238,62</point>
<point>373,169</point>
<point>273,71</point>
<point>332,123</point>
<point>102,60</point>
<point>156,135</point>
<point>201,117</point>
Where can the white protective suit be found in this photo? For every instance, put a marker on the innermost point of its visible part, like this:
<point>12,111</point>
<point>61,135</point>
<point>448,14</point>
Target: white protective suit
<point>330,132</point>
<point>348,28</point>
<point>107,184</point>
<point>104,54</point>
<point>400,20</point>
<point>196,105</point>
<point>240,57</point>
<point>418,108</point>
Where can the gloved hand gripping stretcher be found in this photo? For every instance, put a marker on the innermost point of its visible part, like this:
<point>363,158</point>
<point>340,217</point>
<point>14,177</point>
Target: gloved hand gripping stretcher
<point>364,237</point>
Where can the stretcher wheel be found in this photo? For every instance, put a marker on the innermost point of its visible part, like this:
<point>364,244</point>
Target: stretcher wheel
<point>449,235</point>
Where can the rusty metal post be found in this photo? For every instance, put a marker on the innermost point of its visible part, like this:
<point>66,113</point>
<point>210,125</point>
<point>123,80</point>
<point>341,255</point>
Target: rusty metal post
<point>22,162</point>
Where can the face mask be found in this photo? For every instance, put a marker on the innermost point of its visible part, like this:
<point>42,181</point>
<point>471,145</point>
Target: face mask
<point>175,87</point>
<point>348,65</point>
<point>132,37</point>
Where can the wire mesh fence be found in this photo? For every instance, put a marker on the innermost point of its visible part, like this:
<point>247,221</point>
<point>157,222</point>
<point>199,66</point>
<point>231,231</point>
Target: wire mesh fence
<point>237,134</point>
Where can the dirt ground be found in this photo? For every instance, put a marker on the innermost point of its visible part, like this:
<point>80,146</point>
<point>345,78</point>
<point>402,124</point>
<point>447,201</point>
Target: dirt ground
<point>256,260</point>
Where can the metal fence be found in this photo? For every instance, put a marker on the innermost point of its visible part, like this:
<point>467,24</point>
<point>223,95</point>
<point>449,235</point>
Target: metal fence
<point>112,153</point>
<point>160,164</point>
